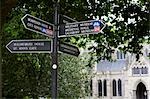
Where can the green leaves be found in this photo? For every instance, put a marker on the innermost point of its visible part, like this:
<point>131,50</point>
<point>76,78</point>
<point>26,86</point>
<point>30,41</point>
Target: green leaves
<point>14,27</point>
<point>71,77</point>
<point>29,74</point>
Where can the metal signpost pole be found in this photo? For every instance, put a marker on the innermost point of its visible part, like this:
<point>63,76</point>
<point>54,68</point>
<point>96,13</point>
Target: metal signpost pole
<point>54,52</point>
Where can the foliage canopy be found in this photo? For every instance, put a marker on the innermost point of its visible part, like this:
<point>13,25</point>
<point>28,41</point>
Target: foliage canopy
<point>28,74</point>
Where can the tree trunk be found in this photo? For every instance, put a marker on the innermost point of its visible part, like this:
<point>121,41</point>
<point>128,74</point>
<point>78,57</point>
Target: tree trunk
<point>5,7</point>
<point>35,97</point>
<point>0,56</point>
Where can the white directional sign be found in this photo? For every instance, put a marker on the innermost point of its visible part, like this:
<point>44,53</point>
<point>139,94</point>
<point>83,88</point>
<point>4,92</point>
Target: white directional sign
<point>29,46</point>
<point>37,25</point>
<point>81,28</point>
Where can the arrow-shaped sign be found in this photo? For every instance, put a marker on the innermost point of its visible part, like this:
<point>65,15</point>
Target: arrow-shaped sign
<point>37,25</point>
<point>29,46</point>
<point>65,19</point>
<point>69,49</point>
<point>81,28</point>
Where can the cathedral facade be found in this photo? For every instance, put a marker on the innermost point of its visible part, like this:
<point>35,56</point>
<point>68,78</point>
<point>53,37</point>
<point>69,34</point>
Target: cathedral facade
<point>125,78</point>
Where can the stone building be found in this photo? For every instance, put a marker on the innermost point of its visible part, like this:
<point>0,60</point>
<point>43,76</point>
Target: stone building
<point>125,78</point>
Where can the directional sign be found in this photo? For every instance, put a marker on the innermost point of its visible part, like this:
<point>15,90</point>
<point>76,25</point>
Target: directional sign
<point>81,28</point>
<point>69,49</point>
<point>37,25</point>
<point>65,19</point>
<point>29,46</point>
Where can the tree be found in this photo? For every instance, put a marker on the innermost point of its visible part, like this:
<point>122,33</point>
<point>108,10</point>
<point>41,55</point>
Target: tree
<point>5,8</point>
<point>72,76</point>
<point>120,29</point>
<point>30,74</point>
<point>127,23</point>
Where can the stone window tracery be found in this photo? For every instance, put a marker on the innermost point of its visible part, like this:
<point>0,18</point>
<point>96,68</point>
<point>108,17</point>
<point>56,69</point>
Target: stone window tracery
<point>114,88</point>
<point>99,88</point>
<point>119,88</point>
<point>102,87</point>
<point>105,87</point>
<point>139,70</point>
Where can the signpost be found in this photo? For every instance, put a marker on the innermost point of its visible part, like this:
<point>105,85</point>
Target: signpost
<point>65,19</point>
<point>69,49</point>
<point>81,28</point>
<point>29,46</point>
<point>44,46</point>
<point>37,25</point>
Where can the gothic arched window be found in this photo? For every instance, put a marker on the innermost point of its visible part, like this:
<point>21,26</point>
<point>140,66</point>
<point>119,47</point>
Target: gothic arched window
<point>135,70</point>
<point>120,55</point>
<point>105,87</point>
<point>91,89</point>
<point>99,88</point>
<point>114,88</point>
<point>119,87</point>
<point>144,70</point>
